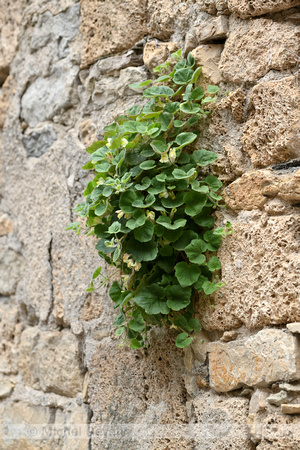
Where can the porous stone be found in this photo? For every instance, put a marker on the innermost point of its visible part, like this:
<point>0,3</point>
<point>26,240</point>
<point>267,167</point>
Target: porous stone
<point>6,225</point>
<point>10,330</point>
<point>213,29</point>
<point>255,47</point>
<point>294,327</point>
<point>220,422</point>
<point>109,27</point>
<point>164,16</point>
<point>260,289</point>
<point>11,265</point>
<point>229,336</point>
<point>5,93</point>
<point>271,134</point>
<point>290,409</point>
<point>258,401</point>
<point>255,188</point>
<point>268,356</point>
<point>156,53</point>
<point>51,361</point>
<point>208,57</point>
<point>246,9</point>
<point>39,140</point>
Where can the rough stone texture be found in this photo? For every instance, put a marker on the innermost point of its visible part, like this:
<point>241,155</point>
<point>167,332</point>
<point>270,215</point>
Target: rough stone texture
<point>290,409</point>
<point>269,356</point>
<point>246,9</point>
<point>253,48</point>
<point>49,111</point>
<point>157,53</point>
<point>101,36</point>
<point>208,57</point>
<point>220,422</point>
<point>272,134</point>
<point>51,361</point>
<point>294,327</point>
<point>260,289</point>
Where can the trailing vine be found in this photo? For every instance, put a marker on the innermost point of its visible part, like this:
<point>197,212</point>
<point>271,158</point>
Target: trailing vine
<point>151,206</point>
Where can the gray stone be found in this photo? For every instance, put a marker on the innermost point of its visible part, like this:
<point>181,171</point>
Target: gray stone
<point>268,356</point>
<point>11,264</point>
<point>278,399</point>
<point>38,141</point>
<point>295,388</point>
<point>229,336</point>
<point>61,27</point>
<point>258,401</point>
<point>46,97</point>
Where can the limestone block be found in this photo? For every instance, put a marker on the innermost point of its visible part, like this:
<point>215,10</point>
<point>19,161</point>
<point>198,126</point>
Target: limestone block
<point>278,399</point>
<point>5,389</point>
<point>6,225</point>
<point>220,422</point>
<point>46,97</point>
<point>51,361</point>
<point>208,57</point>
<point>5,93</point>
<point>11,265</point>
<point>164,16</point>
<point>264,358</point>
<point>294,388</point>
<point>290,409</point>
<point>229,336</point>
<point>10,24</point>
<point>258,401</point>
<point>255,47</point>
<point>246,9</point>
<point>271,134</point>
<point>213,29</point>
<point>260,266</point>
<point>110,26</point>
<point>39,140</point>
<point>275,445</point>
<point>294,327</point>
<point>208,6</point>
<point>62,27</point>
<point>254,188</point>
<point>157,53</point>
<point>9,335</point>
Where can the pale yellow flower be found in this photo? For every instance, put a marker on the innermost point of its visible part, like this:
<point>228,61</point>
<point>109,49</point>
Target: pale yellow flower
<point>124,142</point>
<point>120,213</point>
<point>164,158</point>
<point>172,155</point>
<point>151,215</point>
<point>164,194</point>
<point>137,266</point>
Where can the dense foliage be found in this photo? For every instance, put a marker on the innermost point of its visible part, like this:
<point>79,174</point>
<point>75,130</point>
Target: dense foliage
<point>151,206</point>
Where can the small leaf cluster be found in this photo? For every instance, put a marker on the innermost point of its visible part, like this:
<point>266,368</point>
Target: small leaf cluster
<point>151,204</point>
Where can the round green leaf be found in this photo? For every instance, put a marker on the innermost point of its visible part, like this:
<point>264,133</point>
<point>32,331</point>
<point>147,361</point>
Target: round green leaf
<point>185,138</point>
<point>183,76</point>
<point>145,232</point>
<point>152,300</point>
<point>195,201</point>
<point>148,165</point>
<point>178,297</point>
<point>214,264</point>
<point>187,274</point>
<point>158,91</point>
<point>194,251</point>
<point>183,340</point>
<point>146,252</point>
<point>100,209</point>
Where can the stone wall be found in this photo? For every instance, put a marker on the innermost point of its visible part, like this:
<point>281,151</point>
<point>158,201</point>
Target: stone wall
<point>65,67</point>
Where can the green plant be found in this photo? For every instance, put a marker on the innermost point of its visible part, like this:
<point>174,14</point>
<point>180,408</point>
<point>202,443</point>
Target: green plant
<point>151,203</point>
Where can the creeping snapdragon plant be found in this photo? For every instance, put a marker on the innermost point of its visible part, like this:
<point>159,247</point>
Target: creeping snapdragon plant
<point>151,206</point>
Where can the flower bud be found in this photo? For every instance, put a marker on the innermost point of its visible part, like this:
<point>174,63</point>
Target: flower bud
<point>172,155</point>
<point>164,158</point>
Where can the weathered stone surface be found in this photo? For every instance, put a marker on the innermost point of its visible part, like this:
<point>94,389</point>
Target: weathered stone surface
<point>290,387</point>
<point>294,327</point>
<point>6,225</point>
<point>61,27</point>
<point>277,445</point>
<point>272,134</point>
<point>10,23</point>
<point>164,16</point>
<point>10,330</point>
<point>6,91</point>
<point>51,361</point>
<point>275,428</point>
<point>109,27</point>
<point>38,141</point>
<point>11,265</point>
<point>255,188</point>
<point>208,57</point>
<point>268,356</point>
<point>229,336</point>
<point>258,401</point>
<point>261,289</point>
<point>213,29</point>
<point>5,389</point>
<point>45,97</point>
<point>278,399</point>
<point>220,422</point>
<point>157,53</point>
<point>246,9</point>
<point>290,409</point>
<point>255,47</point>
